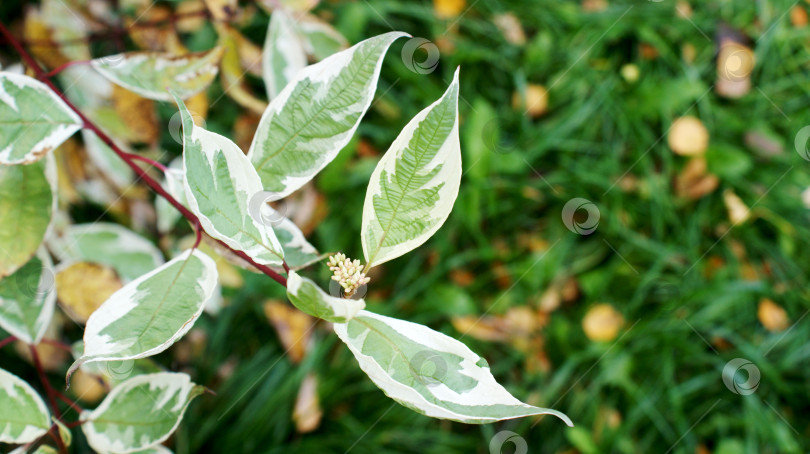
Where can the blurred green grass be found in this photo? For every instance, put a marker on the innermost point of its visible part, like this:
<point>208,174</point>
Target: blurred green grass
<point>648,257</point>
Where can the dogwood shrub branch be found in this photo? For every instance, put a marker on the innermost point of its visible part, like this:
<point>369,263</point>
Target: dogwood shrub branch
<point>128,158</point>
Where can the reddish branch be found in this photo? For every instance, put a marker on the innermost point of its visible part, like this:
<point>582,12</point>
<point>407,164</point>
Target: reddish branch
<point>7,341</point>
<point>128,158</point>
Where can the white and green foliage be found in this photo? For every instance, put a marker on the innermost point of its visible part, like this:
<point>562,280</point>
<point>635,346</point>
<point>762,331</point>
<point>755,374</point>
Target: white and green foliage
<point>24,416</point>
<point>415,184</point>
<point>149,74</point>
<point>34,119</point>
<point>314,112</point>
<point>219,183</point>
<point>128,253</point>
<point>430,372</point>
<point>139,413</point>
<point>291,37</point>
<point>309,298</point>
<point>146,316</point>
<point>28,298</point>
<point>283,55</point>
<point>27,199</point>
<point>315,115</point>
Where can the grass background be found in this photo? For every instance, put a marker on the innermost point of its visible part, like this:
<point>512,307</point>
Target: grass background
<point>687,295</point>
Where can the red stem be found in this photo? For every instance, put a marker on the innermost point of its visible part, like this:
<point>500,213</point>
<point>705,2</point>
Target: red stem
<point>67,400</point>
<point>57,344</point>
<point>48,389</point>
<point>64,66</point>
<point>7,341</point>
<point>126,157</point>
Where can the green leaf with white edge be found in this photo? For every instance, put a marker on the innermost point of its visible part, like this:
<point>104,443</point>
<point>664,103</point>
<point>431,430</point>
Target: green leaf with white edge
<point>320,38</point>
<point>139,413</point>
<point>35,120</point>
<point>430,372</point>
<point>219,182</point>
<point>412,190</point>
<point>115,372</point>
<point>283,55</point>
<point>28,298</point>
<point>298,252</point>
<point>24,416</point>
<point>150,74</point>
<point>27,201</point>
<point>148,315</point>
<point>310,299</point>
<point>64,432</point>
<point>316,114</point>
<point>130,254</point>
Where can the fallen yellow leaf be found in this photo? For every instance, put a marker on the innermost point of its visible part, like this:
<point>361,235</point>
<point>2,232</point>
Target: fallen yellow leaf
<point>602,323</point>
<point>772,316</point>
<point>84,286</point>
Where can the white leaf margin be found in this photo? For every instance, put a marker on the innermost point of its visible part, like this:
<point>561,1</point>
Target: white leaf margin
<point>282,39</point>
<point>48,306</point>
<point>245,179</point>
<point>323,71</point>
<point>172,381</point>
<point>9,383</point>
<point>342,308</point>
<point>62,133</point>
<point>434,340</point>
<point>449,156</point>
<point>94,345</point>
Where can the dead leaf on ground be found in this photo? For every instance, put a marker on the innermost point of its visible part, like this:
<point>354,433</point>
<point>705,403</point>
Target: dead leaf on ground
<point>307,413</point>
<point>294,328</point>
<point>138,113</point>
<point>82,287</point>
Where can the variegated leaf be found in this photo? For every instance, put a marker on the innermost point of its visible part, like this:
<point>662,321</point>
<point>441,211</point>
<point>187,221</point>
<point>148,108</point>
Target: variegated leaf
<point>429,372</point>
<point>298,252</point>
<point>151,74</point>
<point>34,119</point>
<point>139,413</point>
<point>24,416</point>
<point>28,298</point>
<point>320,38</point>
<point>130,254</point>
<point>310,299</point>
<point>283,55</point>
<point>150,313</point>
<point>315,115</point>
<point>415,184</point>
<point>219,183</point>
<point>27,200</point>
